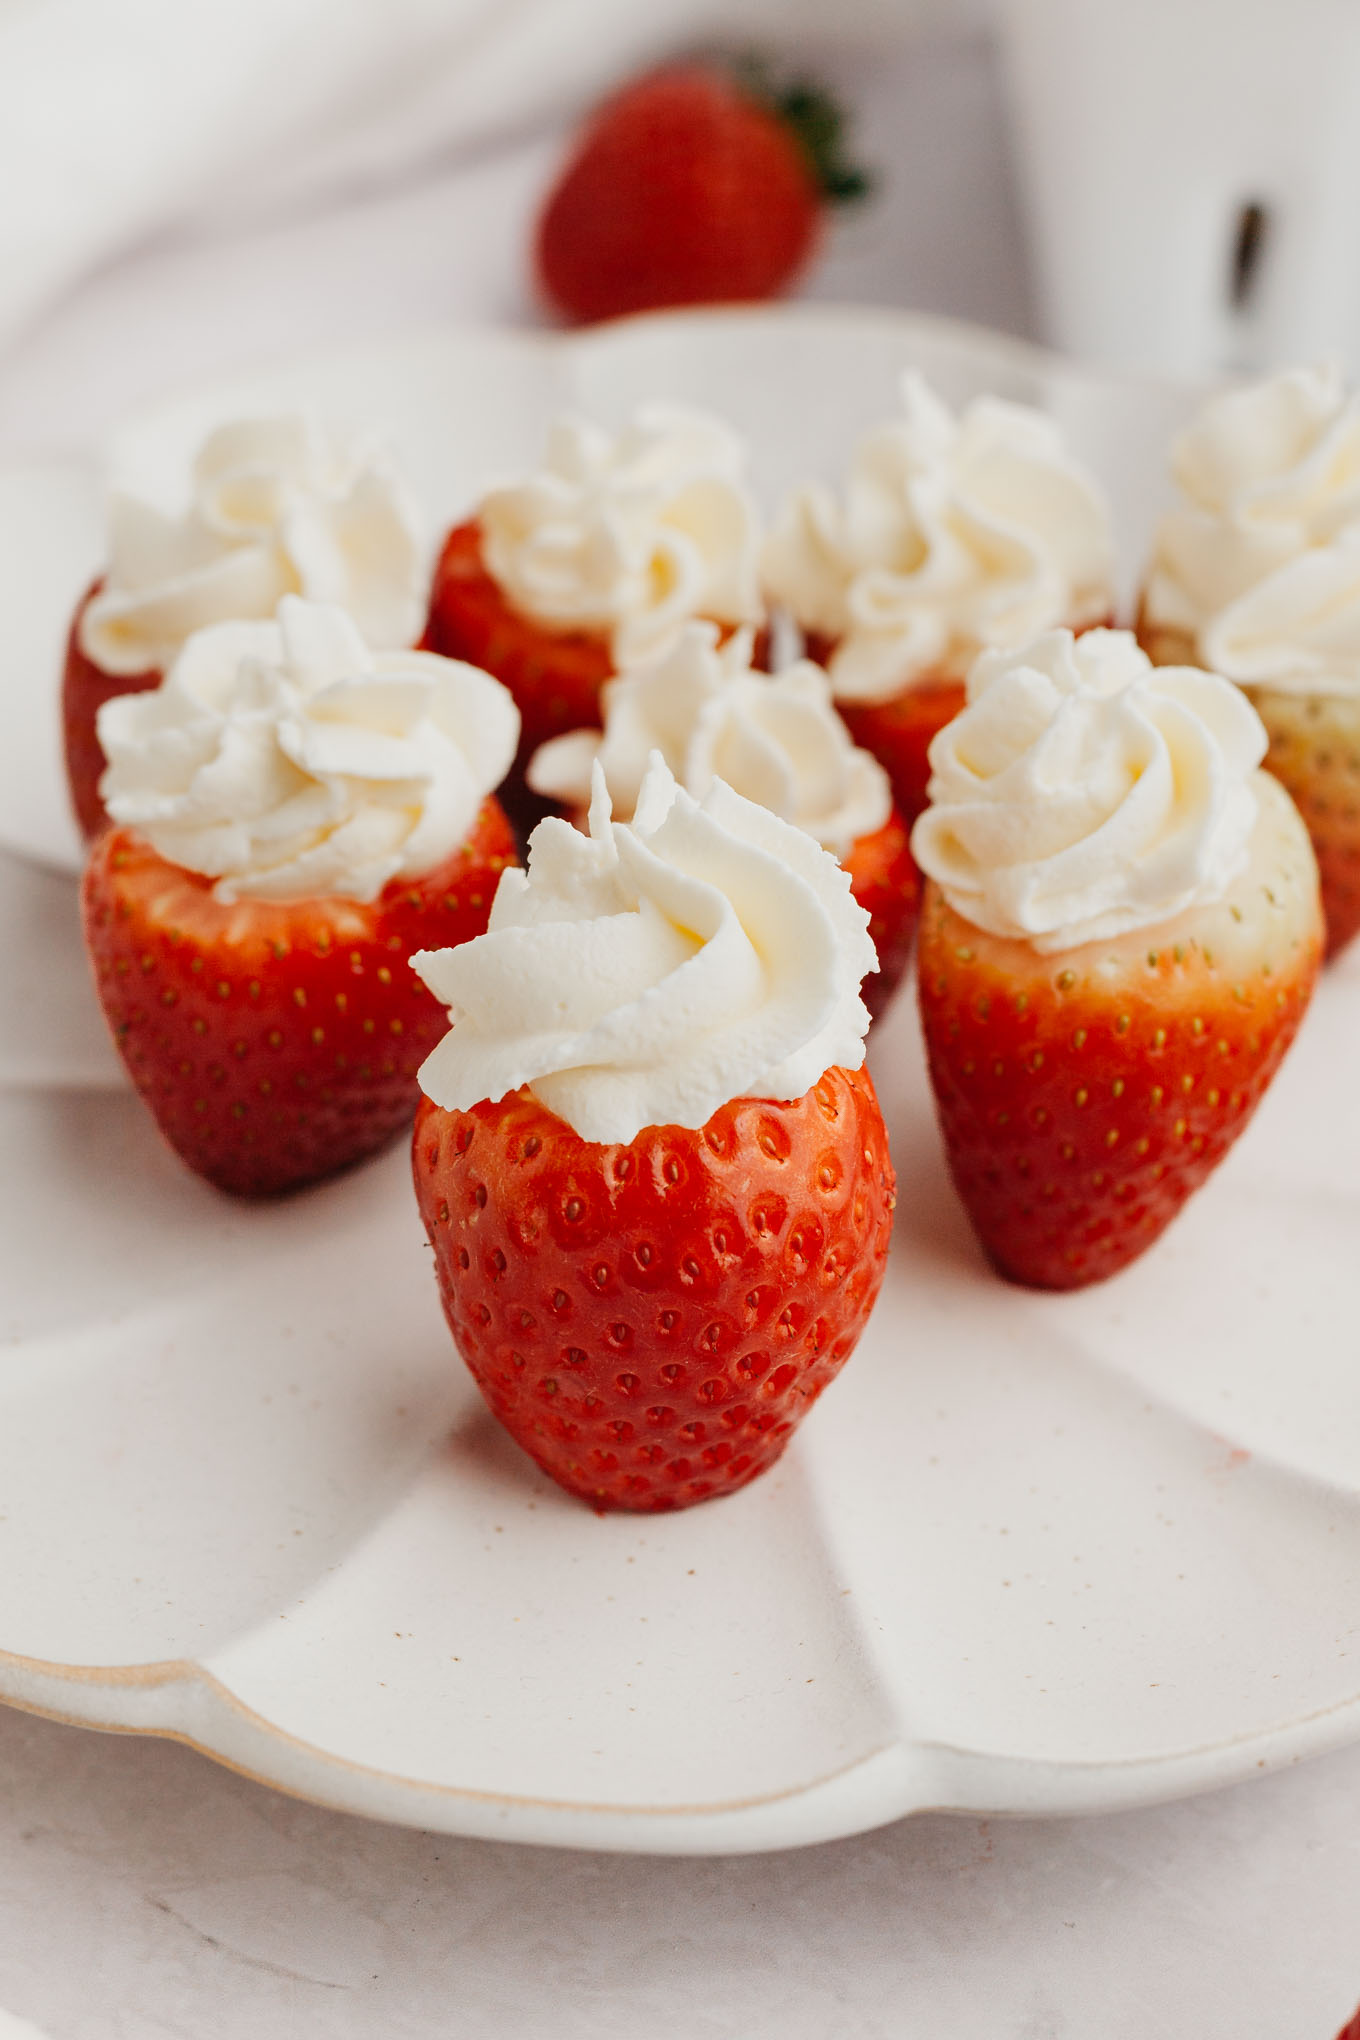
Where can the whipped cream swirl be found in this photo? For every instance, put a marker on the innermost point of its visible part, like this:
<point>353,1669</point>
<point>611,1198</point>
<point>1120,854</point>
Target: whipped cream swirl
<point>953,535</point>
<point>1260,563</point>
<point>775,739</point>
<point>630,535</point>
<point>1083,791</point>
<point>276,508</point>
<point>289,762</point>
<point>649,972</point>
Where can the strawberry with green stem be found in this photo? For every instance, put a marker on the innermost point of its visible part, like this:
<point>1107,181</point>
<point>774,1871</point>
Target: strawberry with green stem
<point>697,184</point>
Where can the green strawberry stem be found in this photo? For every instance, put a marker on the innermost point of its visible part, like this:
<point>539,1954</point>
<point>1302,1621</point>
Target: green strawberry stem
<point>817,122</point>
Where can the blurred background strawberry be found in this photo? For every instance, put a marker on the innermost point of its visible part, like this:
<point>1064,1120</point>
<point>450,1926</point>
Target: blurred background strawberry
<point>701,183</point>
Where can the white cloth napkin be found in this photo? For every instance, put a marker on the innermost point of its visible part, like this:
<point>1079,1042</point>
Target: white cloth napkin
<point>119,118</point>
<point>12,2028</point>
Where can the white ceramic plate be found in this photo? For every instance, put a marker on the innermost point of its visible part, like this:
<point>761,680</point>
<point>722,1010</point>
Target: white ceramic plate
<point>1031,1554</point>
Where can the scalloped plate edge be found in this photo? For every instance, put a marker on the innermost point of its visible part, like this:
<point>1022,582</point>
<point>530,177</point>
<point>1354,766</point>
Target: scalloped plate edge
<point>181,1702</point>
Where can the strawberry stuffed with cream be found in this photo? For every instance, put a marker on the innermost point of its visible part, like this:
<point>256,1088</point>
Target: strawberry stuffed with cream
<point>650,1161</point>
<point>271,506</point>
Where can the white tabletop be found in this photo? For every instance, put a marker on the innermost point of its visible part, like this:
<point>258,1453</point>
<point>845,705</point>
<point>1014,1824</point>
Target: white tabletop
<point>145,1892</point>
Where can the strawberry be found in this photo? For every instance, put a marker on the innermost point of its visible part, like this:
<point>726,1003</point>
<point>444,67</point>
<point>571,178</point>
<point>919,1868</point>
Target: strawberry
<point>85,689</point>
<point>276,1044</point>
<point>899,733</point>
<point>1351,2031</point>
<point>650,1321</point>
<point>555,676</point>
<point>1084,1095</point>
<point>885,881</point>
<point>691,186</point>
<point>1314,753</point>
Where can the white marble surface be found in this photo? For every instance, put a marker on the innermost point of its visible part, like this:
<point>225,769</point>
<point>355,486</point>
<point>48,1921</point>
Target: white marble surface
<point>144,1892</point>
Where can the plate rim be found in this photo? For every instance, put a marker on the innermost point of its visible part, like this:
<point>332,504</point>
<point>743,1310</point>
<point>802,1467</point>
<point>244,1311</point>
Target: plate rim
<point>901,1777</point>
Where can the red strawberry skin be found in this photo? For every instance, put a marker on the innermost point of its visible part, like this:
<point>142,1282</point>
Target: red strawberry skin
<point>651,1321</point>
<point>554,676</point>
<point>886,883</point>
<point>898,732</point>
<point>84,690</point>
<point>1084,1096</point>
<point>276,1044</point>
<point>683,190</point>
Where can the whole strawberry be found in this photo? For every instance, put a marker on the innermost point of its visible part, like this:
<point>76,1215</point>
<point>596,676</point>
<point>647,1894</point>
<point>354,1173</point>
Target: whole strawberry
<point>276,1044</point>
<point>651,1320</point>
<point>658,1192</point>
<point>1086,1087</point>
<point>293,816</point>
<point>692,186</point>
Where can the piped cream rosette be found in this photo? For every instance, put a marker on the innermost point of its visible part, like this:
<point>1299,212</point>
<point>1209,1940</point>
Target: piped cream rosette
<point>287,761</point>
<point>630,534</point>
<point>1258,567</point>
<point>952,535</point>
<point>651,971</point>
<point>1084,792</point>
<point>776,739</point>
<point>276,507</point>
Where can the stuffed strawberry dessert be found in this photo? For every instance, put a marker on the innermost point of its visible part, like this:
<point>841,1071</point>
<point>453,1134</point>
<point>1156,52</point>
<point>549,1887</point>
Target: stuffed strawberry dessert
<point>1120,933</point>
<point>1256,574</point>
<point>650,1162</point>
<point>595,563</point>
<point>952,535</point>
<point>293,815</point>
<point>275,508</point>
<point>778,741</point>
